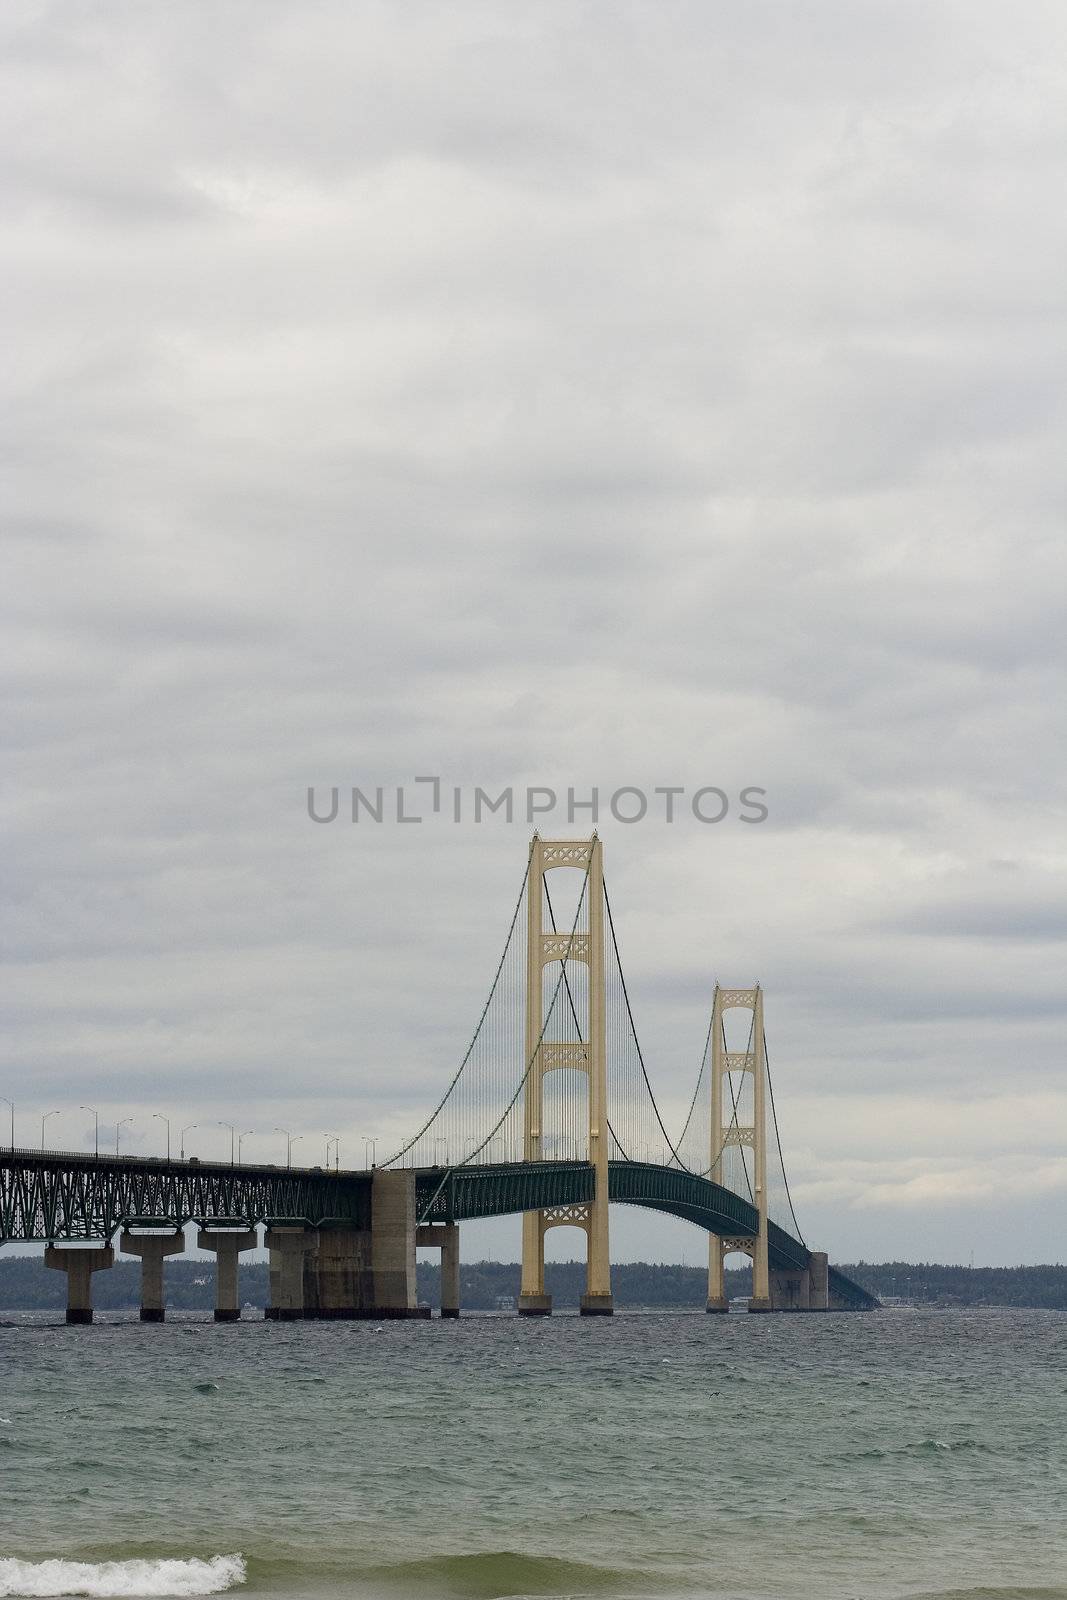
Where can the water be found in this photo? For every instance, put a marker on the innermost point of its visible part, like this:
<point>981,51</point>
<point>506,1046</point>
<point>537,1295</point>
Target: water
<point>825,1457</point>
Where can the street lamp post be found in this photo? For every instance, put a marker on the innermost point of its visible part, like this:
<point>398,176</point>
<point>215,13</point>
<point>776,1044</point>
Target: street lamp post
<point>96,1126</point>
<point>290,1140</point>
<point>240,1138</point>
<point>44,1119</point>
<point>189,1126</point>
<point>118,1129</point>
<point>10,1103</point>
<point>162,1118</point>
<point>335,1140</point>
<point>233,1136</point>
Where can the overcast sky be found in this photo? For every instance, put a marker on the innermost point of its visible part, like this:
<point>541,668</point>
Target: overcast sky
<point>557,394</point>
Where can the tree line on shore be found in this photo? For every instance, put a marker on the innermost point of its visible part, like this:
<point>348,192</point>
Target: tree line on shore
<point>27,1285</point>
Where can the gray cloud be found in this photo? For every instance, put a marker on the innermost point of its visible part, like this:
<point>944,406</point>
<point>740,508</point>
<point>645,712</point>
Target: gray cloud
<point>591,395</point>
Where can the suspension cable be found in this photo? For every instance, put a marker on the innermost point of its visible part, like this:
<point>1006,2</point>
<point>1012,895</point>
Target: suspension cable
<point>696,1091</point>
<point>478,1029</point>
<point>644,1072</point>
<point>778,1142</point>
<point>449,1170</point>
<point>633,1030</point>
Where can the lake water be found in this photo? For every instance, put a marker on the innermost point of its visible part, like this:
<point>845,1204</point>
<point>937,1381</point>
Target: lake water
<point>910,1453</point>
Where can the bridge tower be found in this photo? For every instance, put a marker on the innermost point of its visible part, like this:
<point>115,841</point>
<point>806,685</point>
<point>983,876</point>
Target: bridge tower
<point>586,1055</point>
<point>728,1130</point>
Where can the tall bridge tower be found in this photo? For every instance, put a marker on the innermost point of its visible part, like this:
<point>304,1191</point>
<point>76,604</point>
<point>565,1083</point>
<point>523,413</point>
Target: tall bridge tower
<point>586,1054</point>
<point>742,1123</point>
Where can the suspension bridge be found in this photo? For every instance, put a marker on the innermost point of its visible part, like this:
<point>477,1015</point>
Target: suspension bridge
<point>550,1113</point>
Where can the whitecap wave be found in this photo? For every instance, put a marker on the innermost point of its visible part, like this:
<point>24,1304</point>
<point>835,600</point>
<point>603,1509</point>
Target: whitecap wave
<point>107,1580</point>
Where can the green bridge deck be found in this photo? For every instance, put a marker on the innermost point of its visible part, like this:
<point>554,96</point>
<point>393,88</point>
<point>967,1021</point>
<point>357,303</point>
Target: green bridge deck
<point>461,1194</point>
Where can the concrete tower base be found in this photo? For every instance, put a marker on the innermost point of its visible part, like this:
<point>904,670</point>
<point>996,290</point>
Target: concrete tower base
<point>597,1305</point>
<point>535,1305</point>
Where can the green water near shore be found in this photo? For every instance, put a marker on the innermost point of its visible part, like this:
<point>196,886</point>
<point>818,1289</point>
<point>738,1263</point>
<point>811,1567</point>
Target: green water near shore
<point>895,1454</point>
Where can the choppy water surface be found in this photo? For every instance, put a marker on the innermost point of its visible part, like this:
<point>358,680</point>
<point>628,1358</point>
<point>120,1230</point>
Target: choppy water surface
<point>895,1454</point>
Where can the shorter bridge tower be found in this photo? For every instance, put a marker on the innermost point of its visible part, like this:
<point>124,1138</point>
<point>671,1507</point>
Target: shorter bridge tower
<point>585,1055</point>
<point>727,1130</point>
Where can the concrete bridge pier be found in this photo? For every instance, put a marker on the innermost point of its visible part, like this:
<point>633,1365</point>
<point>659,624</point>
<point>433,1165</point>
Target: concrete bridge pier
<point>444,1237</point>
<point>343,1284</point>
<point>151,1247</point>
<point>819,1281</point>
<point>789,1290</point>
<point>287,1248</point>
<point>344,1270</point>
<point>227,1248</point>
<point>79,1265</point>
<point>393,1227</point>
<point>805,1289</point>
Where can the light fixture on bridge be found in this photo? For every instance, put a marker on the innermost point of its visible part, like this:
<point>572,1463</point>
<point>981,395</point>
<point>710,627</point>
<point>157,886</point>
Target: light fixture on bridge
<point>96,1126</point>
<point>162,1118</point>
<point>290,1140</point>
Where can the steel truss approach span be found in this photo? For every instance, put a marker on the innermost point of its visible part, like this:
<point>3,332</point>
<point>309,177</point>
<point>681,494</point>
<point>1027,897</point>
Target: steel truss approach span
<point>53,1197</point>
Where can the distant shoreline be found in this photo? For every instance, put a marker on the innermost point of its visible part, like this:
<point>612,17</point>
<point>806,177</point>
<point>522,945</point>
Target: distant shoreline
<point>27,1285</point>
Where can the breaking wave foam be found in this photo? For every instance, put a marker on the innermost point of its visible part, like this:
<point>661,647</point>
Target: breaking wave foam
<point>108,1580</point>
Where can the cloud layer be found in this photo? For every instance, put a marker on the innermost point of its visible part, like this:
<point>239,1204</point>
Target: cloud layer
<point>586,395</point>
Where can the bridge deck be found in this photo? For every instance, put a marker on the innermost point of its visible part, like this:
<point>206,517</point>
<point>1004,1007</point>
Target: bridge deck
<point>463,1193</point>
<point>59,1196</point>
